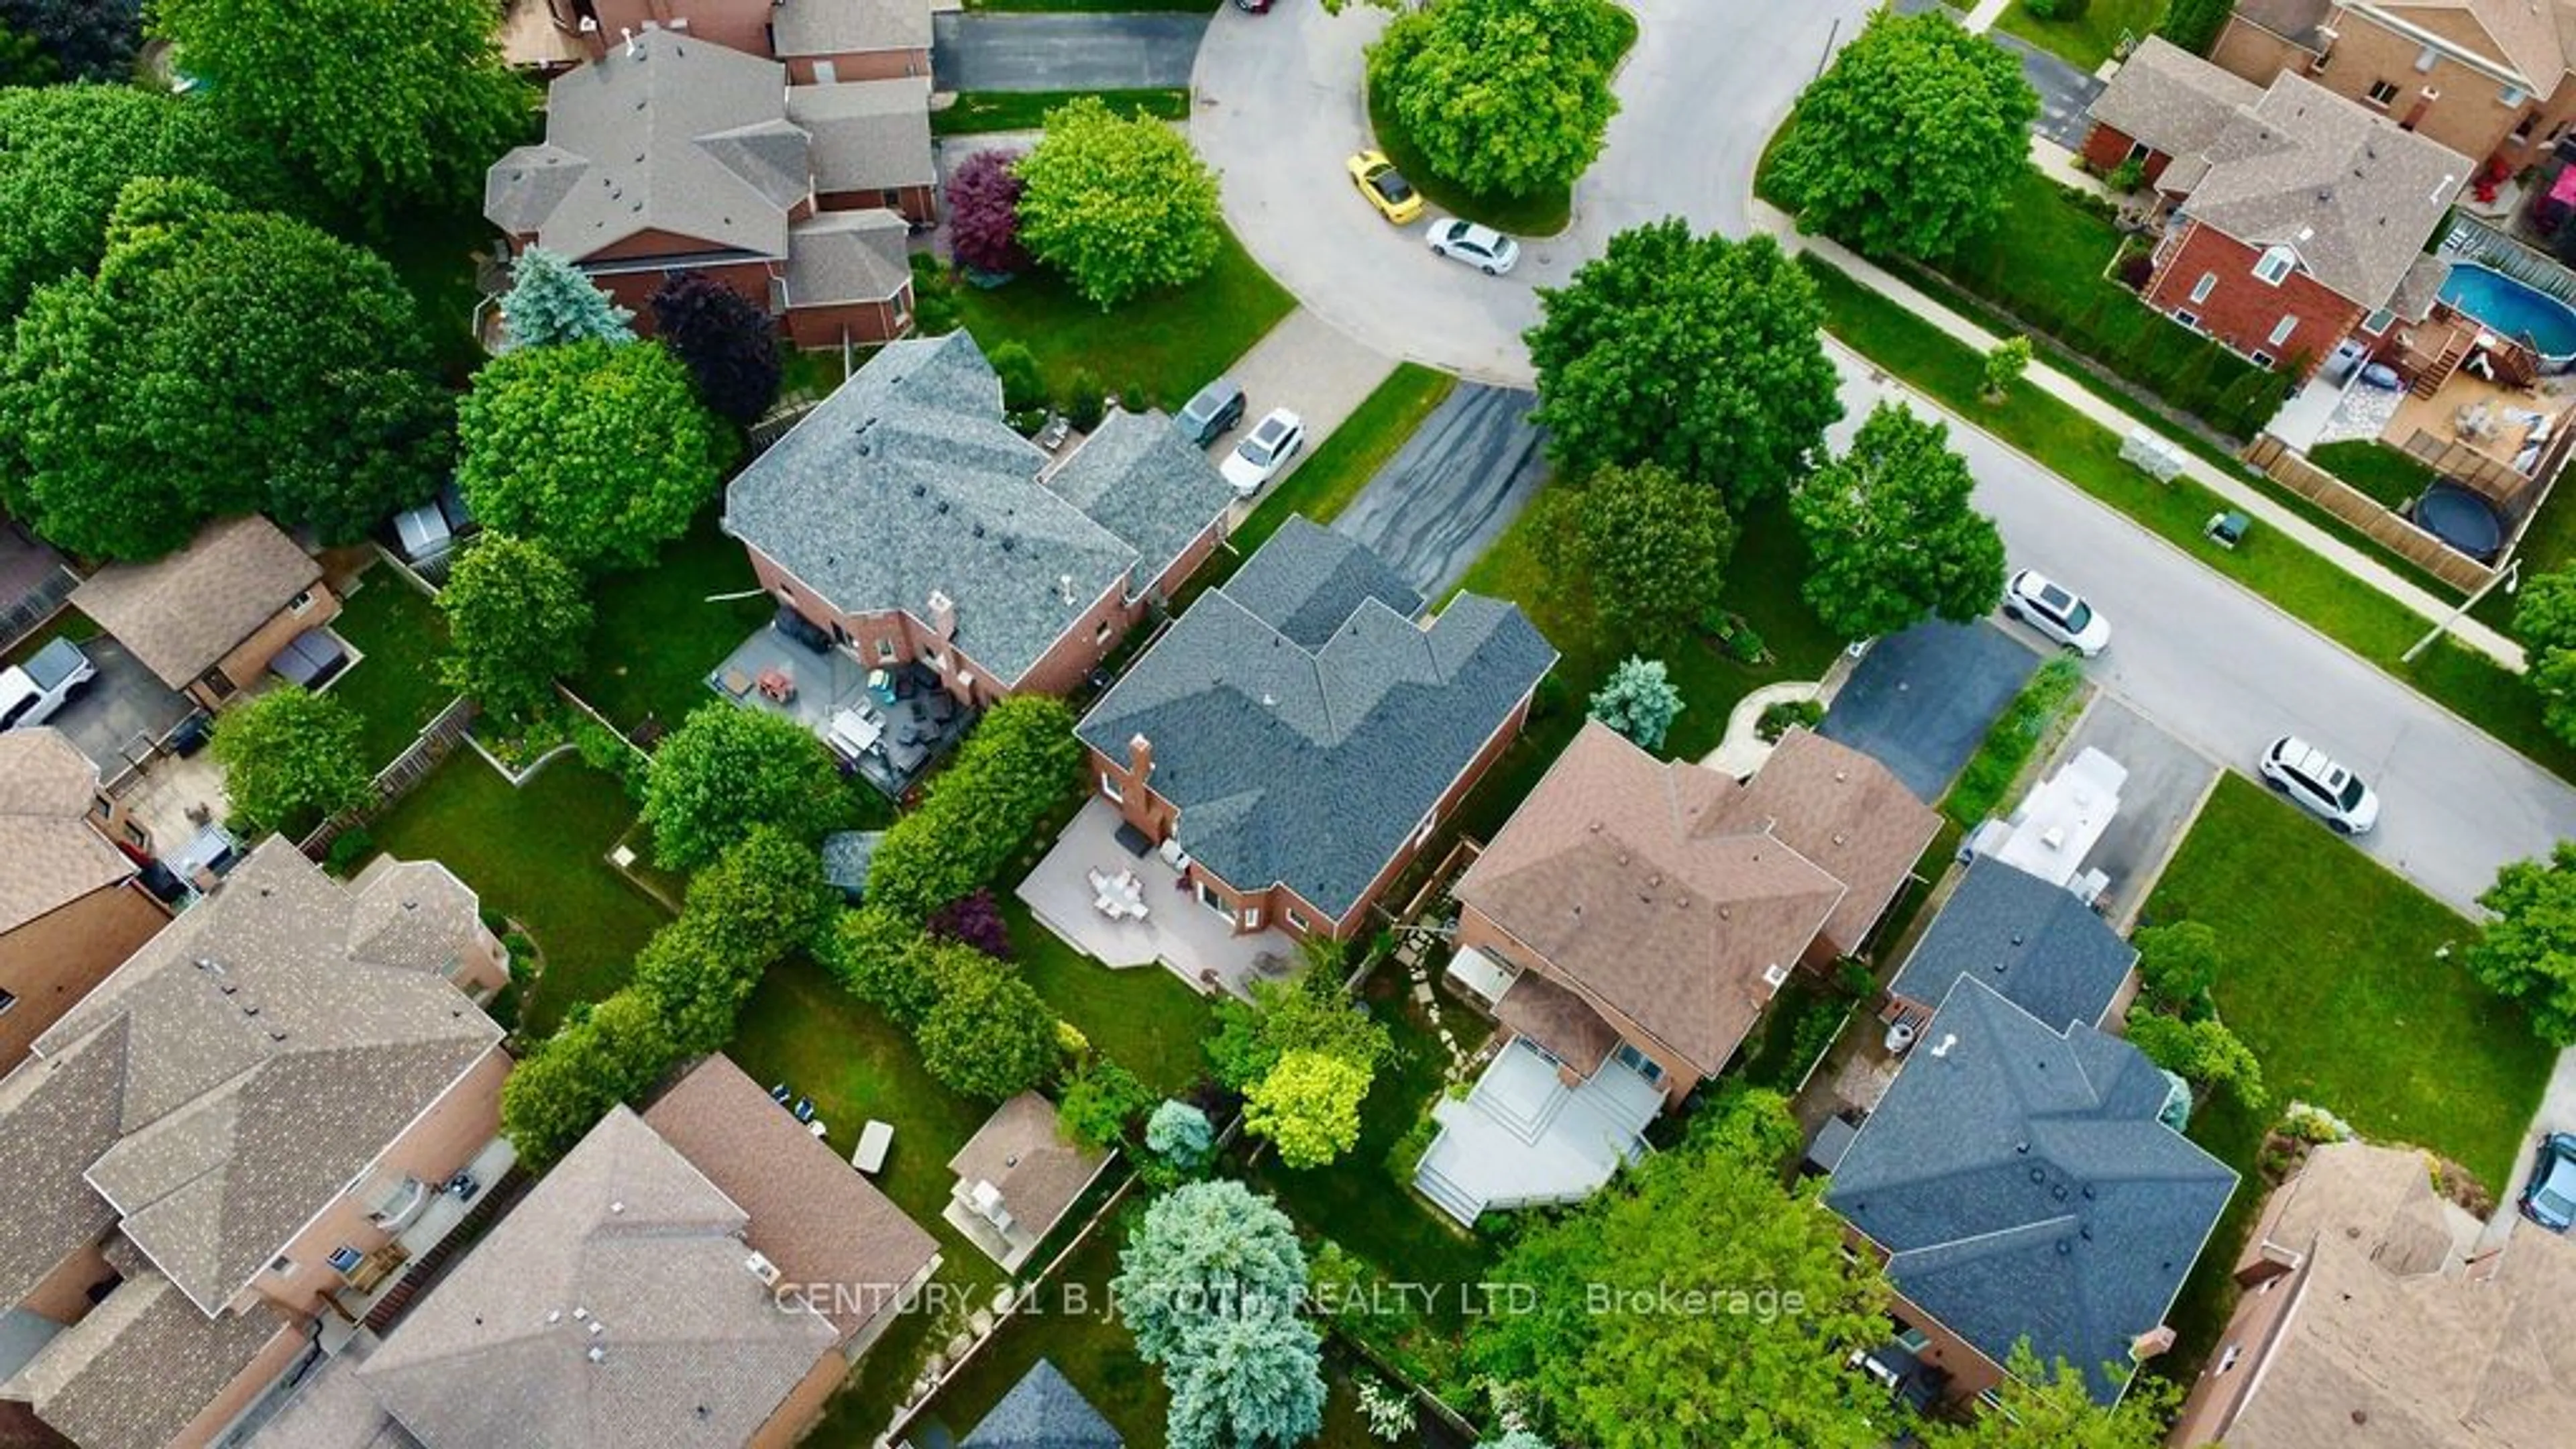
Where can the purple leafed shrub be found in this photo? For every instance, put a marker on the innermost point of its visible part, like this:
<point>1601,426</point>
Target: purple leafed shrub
<point>984,213</point>
<point>975,921</point>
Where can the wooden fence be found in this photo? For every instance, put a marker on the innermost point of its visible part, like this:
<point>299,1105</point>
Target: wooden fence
<point>2285,466</point>
<point>436,741</point>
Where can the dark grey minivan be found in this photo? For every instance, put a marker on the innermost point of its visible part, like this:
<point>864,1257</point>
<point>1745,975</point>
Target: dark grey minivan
<point>1218,407</point>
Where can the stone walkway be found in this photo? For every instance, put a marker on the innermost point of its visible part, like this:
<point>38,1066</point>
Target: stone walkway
<point>1743,750</point>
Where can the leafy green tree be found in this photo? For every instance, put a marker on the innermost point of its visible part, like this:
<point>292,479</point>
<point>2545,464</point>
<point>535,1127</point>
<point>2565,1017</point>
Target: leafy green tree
<point>2179,964</point>
<point>2526,952</point>
<point>882,959</point>
<point>84,39</point>
<point>2545,622</point>
<point>1638,700</point>
<point>1019,763</point>
<point>518,619</point>
<point>695,986</point>
<point>221,361</point>
<point>2202,1051</point>
<point>1739,1374</point>
<point>1503,96</point>
<point>1892,531</point>
<point>729,345</point>
<point>24,60</point>
<point>2006,361</point>
<point>764,898</point>
<point>2194,24</point>
<point>726,770</point>
<point>379,104</point>
<point>601,452</point>
<point>604,1054</point>
<point>1309,1014</point>
<point>552,302</point>
<point>1202,1252</point>
<point>991,1036</point>
<point>1309,1107</point>
<point>1119,204</point>
<point>2052,1408</point>
<point>1700,354</point>
<point>1654,550</point>
<point>1246,1383</point>
<point>1179,1134</point>
<point>1912,142</point>
<point>291,759</point>
<point>1099,1102</point>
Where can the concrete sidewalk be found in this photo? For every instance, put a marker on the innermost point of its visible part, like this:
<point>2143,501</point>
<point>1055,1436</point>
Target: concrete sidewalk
<point>2234,488</point>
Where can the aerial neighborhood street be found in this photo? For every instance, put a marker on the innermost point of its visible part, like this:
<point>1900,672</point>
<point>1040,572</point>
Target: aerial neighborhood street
<point>1237,723</point>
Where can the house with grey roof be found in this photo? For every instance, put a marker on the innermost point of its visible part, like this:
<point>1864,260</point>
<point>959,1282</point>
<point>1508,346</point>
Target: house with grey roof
<point>1300,734</point>
<point>907,520</point>
<point>1043,1411</point>
<point>673,153</point>
<point>820,41</point>
<point>2034,942</point>
<point>237,1139</point>
<point>2020,1184</point>
<point>2290,218</point>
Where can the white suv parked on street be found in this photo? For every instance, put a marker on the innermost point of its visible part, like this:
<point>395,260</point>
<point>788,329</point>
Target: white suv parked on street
<point>2310,776</point>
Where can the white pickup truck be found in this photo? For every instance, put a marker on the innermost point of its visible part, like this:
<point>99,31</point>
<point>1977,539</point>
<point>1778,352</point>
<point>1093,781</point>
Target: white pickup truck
<point>30,693</point>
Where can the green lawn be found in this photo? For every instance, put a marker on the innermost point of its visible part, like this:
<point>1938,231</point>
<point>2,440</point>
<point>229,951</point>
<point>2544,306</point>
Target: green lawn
<point>1162,347</point>
<point>2333,982</point>
<point>2086,454</point>
<point>2547,546</point>
<point>2009,745</point>
<point>395,688</point>
<point>1146,1019</point>
<point>2391,478</point>
<point>2091,37</point>
<point>1327,482</point>
<point>976,112</point>
<point>539,856</point>
<point>658,636</point>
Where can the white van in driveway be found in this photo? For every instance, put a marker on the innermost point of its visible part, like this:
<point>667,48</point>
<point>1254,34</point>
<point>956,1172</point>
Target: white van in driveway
<point>32,692</point>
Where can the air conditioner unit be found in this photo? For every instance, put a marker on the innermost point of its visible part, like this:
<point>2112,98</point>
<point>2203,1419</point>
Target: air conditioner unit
<point>1775,975</point>
<point>761,1268</point>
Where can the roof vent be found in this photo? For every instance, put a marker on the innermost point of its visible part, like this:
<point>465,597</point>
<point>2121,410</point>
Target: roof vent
<point>580,1314</point>
<point>616,1207</point>
<point>597,1328</point>
<point>554,1315</point>
<point>759,1266</point>
<point>2022,1148</point>
<point>598,1354</point>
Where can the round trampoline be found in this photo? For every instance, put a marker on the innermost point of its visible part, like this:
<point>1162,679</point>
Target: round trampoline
<point>2461,519</point>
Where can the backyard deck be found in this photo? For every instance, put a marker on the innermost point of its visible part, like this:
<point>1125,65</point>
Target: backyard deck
<point>1177,932</point>
<point>919,726</point>
<point>1524,1138</point>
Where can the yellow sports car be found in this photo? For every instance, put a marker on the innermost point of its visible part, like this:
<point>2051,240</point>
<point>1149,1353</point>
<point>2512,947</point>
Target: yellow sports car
<point>1385,187</point>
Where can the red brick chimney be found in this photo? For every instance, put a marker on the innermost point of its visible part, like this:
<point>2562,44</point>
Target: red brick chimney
<point>1140,758</point>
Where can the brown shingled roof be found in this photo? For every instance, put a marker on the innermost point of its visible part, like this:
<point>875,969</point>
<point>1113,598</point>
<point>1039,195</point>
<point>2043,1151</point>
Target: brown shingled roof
<point>140,1366</point>
<point>49,854</point>
<point>812,1214</point>
<point>1847,813</point>
<point>1019,1151</point>
<point>183,612</point>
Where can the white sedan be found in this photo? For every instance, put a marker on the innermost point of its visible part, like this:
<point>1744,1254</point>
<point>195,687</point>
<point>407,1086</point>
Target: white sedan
<point>1479,246</point>
<point>1263,452</point>
<point>2056,612</point>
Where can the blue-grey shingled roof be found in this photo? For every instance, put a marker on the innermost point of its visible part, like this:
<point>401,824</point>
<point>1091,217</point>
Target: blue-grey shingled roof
<point>1310,764</point>
<point>1043,1411</point>
<point>2034,942</point>
<point>906,480</point>
<point>2023,1186</point>
<point>1307,579</point>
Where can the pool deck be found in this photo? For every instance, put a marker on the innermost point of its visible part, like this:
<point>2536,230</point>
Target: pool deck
<point>2439,414</point>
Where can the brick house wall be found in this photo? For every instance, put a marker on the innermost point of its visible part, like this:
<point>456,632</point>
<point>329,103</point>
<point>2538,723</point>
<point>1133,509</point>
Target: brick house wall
<point>63,1293</point>
<point>855,65</point>
<point>242,667</point>
<point>735,24</point>
<point>51,962</point>
<point>803,1405</point>
<point>2107,148</point>
<point>1485,934</point>
<point>432,1148</point>
<point>2467,109</point>
<point>860,324</point>
<point>1140,805</point>
<point>266,1367</point>
<point>917,204</point>
<point>2242,310</point>
<point>1971,1372</point>
<point>2227,1380</point>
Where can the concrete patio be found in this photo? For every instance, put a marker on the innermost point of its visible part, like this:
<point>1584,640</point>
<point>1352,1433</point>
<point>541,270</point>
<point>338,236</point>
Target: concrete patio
<point>1196,943</point>
<point>1523,1138</point>
<point>829,681</point>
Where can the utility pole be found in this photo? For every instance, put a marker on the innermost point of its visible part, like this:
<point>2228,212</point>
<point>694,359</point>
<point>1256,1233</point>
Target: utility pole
<point>2510,576</point>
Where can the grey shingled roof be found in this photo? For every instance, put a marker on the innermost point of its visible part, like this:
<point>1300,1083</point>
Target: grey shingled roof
<point>846,256</point>
<point>906,481</point>
<point>1043,1411</point>
<point>1139,478</point>
<point>664,134</point>
<point>841,27</point>
<point>695,1351</point>
<point>2171,99</point>
<point>2033,942</point>
<point>140,1366</point>
<point>2019,1179</point>
<point>215,1112</point>
<point>867,134</point>
<point>1307,579</point>
<point>1310,766</point>
<point>2339,184</point>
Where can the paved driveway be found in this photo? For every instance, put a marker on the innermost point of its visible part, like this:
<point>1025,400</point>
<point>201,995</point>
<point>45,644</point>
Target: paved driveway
<point>1920,702</point>
<point>1280,108</point>
<point>1002,52</point>
<point>2167,779</point>
<point>125,709</point>
<point>1452,488</point>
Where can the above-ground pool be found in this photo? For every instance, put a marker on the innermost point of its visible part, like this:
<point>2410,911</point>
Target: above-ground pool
<point>2516,310</point>
<point>2461,519</point>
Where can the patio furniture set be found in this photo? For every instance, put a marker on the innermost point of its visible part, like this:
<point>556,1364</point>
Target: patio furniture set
<point>875,1139</point>
<point>1119,897</point>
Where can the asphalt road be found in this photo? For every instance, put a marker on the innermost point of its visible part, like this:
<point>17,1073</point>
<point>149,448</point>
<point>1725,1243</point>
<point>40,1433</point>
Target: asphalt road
<point>1004,52</point>
<point>2064,91</point>
<point>1453,487</point>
